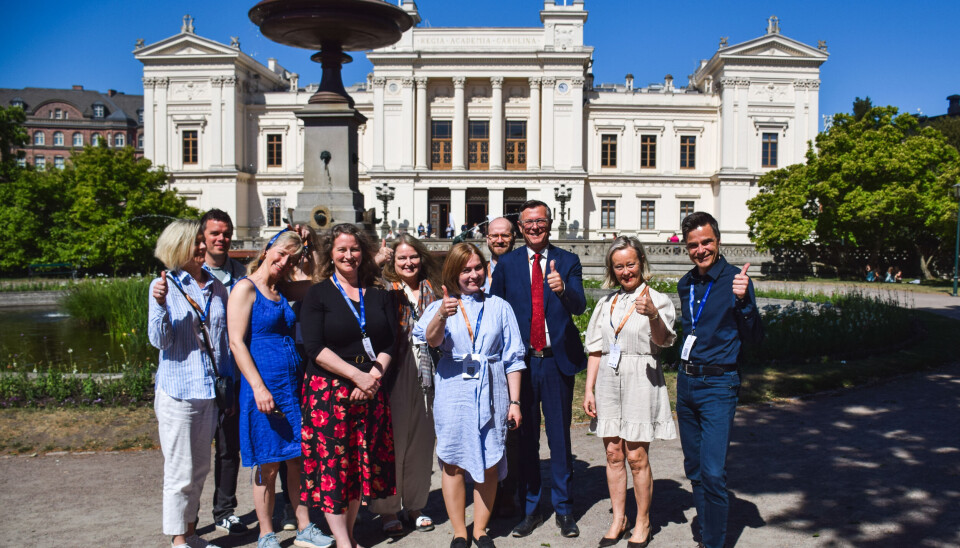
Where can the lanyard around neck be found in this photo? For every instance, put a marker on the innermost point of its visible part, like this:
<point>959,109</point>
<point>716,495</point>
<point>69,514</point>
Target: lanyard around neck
<point>205,313</point>
<point>695,319</point>
<point>626,314</point>
<point>362,316</point>
<point>473,336</point>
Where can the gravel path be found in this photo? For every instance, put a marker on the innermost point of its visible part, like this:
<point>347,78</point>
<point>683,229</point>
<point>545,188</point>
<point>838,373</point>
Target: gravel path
<point>872,466</point>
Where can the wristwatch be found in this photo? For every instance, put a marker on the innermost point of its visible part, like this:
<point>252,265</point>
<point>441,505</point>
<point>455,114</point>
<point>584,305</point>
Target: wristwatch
<point>515,402</point>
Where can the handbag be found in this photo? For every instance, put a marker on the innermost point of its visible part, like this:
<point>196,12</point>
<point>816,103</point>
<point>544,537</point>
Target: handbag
<point>222,386</point>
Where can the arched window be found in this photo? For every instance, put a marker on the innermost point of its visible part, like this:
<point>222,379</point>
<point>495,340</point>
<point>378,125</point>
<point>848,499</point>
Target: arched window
<point>78,139</point>
<point>39,139</point>
<point>95,139</point>
<point>57,138</point>
<point>119,140</point>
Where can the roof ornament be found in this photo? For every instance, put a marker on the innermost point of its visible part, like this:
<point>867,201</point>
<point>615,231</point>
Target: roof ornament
<point>822,45</point>
<point>723,41</point>
<point>140,43</point>
<point>235,42</point>
<point>773,25</point>
<point>187,24</point>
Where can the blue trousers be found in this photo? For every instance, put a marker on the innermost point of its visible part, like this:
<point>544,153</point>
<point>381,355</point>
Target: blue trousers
<point>705,410</point>
<point>544,386</point>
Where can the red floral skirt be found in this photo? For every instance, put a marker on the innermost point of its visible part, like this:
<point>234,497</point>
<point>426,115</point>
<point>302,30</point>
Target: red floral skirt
<point>347,449</point>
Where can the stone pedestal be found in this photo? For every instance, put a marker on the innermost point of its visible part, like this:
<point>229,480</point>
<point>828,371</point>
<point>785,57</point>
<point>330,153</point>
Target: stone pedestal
<point>330,193</point>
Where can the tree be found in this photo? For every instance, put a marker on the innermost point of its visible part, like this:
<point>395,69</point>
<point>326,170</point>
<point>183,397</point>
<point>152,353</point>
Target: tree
<point>861,107</point>
<point>12,136</point>
<point>876,182</point>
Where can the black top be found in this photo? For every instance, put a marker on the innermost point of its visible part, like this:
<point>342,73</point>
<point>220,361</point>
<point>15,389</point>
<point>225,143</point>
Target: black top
<point>725,323</point>
<point>328,322</point>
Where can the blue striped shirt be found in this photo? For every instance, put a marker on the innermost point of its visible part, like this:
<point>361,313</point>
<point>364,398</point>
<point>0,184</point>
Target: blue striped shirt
<point>184,370</point>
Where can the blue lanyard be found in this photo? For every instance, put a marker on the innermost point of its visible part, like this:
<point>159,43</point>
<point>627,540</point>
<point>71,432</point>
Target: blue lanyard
<point>695,319</point>
<point>474,335</point>
<point>362,316</point>
<point>206,309</point>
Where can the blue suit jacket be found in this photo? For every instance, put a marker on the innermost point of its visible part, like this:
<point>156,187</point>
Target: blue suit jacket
<point>511,283</point>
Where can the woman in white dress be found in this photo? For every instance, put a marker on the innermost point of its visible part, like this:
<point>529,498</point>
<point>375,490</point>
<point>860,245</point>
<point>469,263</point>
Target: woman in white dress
<point>625,389</point>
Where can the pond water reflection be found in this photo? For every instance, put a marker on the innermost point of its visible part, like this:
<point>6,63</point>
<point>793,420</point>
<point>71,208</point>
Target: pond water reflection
<point>41,336</point>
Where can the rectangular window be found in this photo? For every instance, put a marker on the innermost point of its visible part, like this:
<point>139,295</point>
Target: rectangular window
<point>78,139</point>
<point>769,150</point>
<point>441,146</point>
<point>688,151</point>
<point>608,213</point>
<point>648,215</point>
<point>686,208</point>
<point>98,111</point>
<point>478,146</point>
<point>648,151</point>
<point>274,211</point>
<point>516,153</point>
<point>190,154</point>
<point>40,163</point>
<point>608,151</point>
<point>58,114</point>
<point>274,150</point>
<point>21,162</point>
<point>58,162</point>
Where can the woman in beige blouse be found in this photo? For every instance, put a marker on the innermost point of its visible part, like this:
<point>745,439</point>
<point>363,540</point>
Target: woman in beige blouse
<point>625,389</point>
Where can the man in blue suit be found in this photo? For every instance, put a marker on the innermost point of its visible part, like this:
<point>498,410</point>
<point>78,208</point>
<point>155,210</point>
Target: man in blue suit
<point>544,308</point>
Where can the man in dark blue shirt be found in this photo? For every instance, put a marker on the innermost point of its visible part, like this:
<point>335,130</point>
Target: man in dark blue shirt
<point>719,314</point>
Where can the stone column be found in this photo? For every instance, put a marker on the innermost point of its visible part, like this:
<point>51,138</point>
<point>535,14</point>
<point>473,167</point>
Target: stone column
<point>216,121</point>
<point>164,131</point>
<point>459,123</point>
<point>728,124</point>
<point>576,143</point>
<point>496,124</point>
<point>422,127</point>
<point>458,208</point>
<point>149,122</point>
<point>533,127</point>
<point>495,202</point>
<point>407,139</point>
<point>379,121</point>
<point>744,129</point>
<point>421,207</point>
<point>229,97</point>
<point>546,143</point>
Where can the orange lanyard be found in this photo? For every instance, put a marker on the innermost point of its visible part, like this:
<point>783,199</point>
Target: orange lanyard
<point>626,315</point>
<point>466,320</point>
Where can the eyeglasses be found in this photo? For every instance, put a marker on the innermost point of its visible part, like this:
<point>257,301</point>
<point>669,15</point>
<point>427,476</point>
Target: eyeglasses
<point>499,236</point>
<point>530,223</point>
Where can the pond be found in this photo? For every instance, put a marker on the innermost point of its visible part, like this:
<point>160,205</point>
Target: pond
<point>41,336</point>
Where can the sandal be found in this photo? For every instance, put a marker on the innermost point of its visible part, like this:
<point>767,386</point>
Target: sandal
<point>393,528</point>
<point>424,523</point>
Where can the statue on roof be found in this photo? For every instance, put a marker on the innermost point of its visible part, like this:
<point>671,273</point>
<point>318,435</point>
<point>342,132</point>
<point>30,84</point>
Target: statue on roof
<point>822,45</point>
<point>235,42</point>
<point>773,25</point>
<point>723,41</point>
<point>140,43</point>
<point>187,24</point>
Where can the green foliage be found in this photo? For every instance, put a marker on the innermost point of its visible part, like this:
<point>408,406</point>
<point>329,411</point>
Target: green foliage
<point>877,182</point>
<point>119,306</point>
<point>949,126</point>
<point>12,136</point>
<point>861,107</point>
<point>103,212</point>
<point>134,385</point>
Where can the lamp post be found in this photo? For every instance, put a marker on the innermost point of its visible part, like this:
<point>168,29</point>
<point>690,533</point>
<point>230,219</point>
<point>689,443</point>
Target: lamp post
<point>385,194</point>
<point>956,253</point>
<point>562,194</point>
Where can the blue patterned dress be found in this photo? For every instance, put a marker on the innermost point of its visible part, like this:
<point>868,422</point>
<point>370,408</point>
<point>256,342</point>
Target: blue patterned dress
<point>270,338</point>
<point>470,415</point>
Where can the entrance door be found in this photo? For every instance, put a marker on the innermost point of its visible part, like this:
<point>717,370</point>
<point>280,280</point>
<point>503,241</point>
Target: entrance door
<point>439,218</point>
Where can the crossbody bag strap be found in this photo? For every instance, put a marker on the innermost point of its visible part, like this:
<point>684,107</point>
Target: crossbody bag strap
<point>204,333</point>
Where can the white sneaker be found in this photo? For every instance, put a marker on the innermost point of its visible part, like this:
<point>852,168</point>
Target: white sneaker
<point>194,541</point>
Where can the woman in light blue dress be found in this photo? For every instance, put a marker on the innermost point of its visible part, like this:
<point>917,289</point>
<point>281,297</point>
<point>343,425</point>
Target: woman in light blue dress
<point>477,387</point>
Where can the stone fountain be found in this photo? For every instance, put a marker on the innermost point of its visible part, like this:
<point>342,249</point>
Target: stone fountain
<point>331,193</point>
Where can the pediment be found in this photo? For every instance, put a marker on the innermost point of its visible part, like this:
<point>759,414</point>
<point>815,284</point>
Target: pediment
<point>773,46</point>
<point>185,45</point>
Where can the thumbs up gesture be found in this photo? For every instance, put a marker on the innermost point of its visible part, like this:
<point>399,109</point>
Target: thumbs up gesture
<point>160,289</point>
<point>740,283</point>
<point>553,278</point>
<point>384,254</point>
<point>449,306</point>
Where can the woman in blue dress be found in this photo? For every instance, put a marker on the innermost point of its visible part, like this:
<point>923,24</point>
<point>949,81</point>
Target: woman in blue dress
<point>261,325</point>
<point>477,387</point>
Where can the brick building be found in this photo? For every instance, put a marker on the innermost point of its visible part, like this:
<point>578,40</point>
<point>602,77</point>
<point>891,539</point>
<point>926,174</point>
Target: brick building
<point>61,120</point>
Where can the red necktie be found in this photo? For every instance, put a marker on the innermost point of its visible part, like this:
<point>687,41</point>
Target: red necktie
<point>538,334</point>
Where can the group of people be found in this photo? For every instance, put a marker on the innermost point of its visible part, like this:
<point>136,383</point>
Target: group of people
<point>893,275</point>
<point>388,352</point>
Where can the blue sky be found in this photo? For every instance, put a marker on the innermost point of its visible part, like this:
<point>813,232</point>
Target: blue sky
<point>899,53</point>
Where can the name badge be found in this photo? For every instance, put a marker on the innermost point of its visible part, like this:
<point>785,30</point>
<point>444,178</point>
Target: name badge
<point>471,366</point>
<point>613,358</point>
<point>368,347</point>
<point>687,347</point>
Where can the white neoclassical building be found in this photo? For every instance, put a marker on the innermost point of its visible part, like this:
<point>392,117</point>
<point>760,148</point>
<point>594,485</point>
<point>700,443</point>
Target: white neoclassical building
<point>468,122</point>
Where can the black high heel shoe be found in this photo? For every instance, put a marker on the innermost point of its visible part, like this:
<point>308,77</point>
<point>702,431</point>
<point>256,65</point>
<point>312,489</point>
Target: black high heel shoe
<point>605,542</point>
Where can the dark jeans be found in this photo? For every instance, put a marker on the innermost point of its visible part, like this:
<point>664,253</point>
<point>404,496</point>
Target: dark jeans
<point>544,386</point>
<point>705,410</point>
<point>226,465</point>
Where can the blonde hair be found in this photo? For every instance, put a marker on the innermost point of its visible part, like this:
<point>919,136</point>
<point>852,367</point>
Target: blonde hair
<point>283,239</point>
<point>621,243</point>
<point>457,258</point>
<point>176,243</point>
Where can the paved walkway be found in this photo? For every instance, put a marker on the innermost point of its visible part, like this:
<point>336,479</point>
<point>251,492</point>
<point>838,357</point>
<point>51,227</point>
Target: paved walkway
<point>870,467</point>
